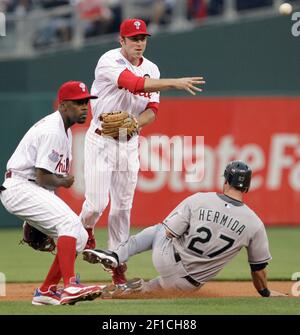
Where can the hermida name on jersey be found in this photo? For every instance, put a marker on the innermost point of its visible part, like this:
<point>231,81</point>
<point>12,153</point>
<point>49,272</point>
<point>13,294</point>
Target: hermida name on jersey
<point>209,215</point>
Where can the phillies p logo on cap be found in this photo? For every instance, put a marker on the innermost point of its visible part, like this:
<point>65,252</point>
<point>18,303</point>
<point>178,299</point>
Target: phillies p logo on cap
<point>82,86</point>
<point>132,27</point>
<point>74,90</point>
<point>137,24</point>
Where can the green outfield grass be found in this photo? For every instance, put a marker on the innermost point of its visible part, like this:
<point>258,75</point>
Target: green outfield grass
<point>22,264</point>
<point>229,306</point>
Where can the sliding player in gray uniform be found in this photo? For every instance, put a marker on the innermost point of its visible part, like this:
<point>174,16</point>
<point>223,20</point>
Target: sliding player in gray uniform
<point>199,237</point>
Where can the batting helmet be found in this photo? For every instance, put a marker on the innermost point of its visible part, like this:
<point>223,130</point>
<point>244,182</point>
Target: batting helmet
<point>238,175</point>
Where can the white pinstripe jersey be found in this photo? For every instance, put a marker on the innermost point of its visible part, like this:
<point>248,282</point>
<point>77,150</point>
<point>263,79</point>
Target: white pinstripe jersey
<point>110,96</point>
<point>211,229</point>
<point>46,145</point>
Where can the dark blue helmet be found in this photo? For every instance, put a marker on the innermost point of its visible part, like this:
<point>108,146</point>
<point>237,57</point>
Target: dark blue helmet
<point>238,175</point>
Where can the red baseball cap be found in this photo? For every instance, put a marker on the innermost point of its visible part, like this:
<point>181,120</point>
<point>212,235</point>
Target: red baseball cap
<point>74,90</point>
<point>133,27</point>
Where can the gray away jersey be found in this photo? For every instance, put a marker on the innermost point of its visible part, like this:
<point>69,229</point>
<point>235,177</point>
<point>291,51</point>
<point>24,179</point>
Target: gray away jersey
<point>210,229</point>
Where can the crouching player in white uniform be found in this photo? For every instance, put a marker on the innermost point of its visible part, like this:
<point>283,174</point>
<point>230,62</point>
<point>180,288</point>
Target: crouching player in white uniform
<point>39,165</point>
<point>199,237</point>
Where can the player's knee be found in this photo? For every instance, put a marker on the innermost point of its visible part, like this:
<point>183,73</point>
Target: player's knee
<point>124,203</point>
<point>77,231</point>
<point>93,212</point>
<point>117,216</point>
<point>72,226</point>
<point>81,240</point>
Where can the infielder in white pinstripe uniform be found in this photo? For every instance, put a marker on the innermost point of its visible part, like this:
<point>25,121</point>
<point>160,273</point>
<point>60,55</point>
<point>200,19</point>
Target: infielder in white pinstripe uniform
<point>39,165</point>
<point>199,237</point>
<point>124,80</point>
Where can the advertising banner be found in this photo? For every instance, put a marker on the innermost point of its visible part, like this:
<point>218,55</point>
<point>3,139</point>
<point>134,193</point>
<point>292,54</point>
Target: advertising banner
<point>187,148</point>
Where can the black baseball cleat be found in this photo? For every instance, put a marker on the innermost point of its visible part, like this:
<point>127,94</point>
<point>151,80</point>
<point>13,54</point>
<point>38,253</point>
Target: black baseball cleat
<point>108,259</point>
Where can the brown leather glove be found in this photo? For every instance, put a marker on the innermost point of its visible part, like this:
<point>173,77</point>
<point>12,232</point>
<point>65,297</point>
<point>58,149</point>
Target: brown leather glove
<point>119,125</point>
<point>36,239</point>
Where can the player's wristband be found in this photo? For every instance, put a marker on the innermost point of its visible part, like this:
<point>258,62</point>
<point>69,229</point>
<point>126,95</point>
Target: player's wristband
<point>264,293</point>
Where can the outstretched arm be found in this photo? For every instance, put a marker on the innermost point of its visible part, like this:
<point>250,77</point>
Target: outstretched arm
<point>136,84</point>
<point>259,279</point>
<point>188,84</point>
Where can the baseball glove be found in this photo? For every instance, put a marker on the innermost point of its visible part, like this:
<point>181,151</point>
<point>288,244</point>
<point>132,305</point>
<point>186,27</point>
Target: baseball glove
<point>119,125</point>
<point>36,239</point>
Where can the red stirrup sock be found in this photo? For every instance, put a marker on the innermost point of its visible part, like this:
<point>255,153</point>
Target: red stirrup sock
<point>53,277</point>
<point>66,252</point>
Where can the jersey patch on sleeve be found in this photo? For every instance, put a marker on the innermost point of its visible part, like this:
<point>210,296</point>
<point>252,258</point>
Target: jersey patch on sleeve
<point>54,156</point>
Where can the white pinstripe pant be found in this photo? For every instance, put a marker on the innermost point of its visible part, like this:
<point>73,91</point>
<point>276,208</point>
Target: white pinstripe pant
<point>110,171</point>
<point>43,210</point>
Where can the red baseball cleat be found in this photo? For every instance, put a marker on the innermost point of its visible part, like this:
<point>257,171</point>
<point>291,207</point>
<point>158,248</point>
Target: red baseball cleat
<point>118,274</point>
<point>75,292</point>
<point>51,297</point>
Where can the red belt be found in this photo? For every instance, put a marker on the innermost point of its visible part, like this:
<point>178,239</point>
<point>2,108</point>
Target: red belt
<point>8,174</point>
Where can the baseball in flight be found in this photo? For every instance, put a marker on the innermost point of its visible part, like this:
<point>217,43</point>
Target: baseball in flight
<point>285,9</point>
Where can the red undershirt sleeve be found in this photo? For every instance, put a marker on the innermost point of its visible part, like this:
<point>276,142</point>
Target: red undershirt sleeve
<point>153,106</point>
<point>131,82</point>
